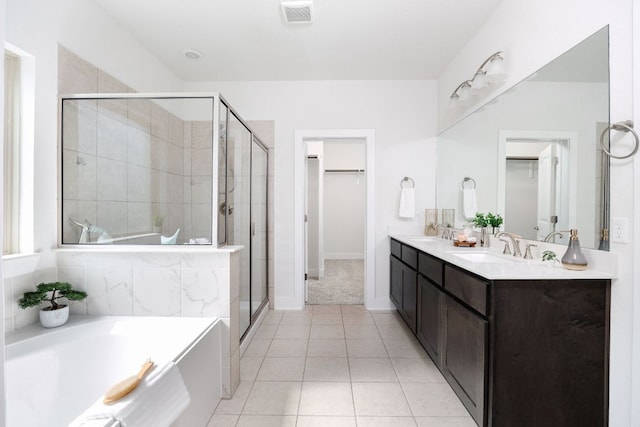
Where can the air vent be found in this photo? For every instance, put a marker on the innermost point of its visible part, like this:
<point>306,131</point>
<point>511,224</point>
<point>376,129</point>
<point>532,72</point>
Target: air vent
<point>297,12</point>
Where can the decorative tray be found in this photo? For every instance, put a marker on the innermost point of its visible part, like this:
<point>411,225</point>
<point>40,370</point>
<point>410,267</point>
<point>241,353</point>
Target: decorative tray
<point>464,244</point>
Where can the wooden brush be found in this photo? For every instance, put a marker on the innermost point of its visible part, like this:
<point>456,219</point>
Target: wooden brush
<point>127,385</point>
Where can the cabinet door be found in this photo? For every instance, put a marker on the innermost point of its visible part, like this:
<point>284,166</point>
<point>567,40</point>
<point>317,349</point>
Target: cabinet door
<point>396,282</point>
<point>464,357</point>
<point>409,296</point>
<point>430,305</point>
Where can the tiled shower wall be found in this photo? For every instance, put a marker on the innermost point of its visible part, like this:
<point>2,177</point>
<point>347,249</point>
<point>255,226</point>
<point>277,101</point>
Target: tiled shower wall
<point>125,161</point>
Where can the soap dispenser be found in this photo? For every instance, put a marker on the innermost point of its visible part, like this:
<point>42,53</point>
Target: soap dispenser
<point>573,258</point>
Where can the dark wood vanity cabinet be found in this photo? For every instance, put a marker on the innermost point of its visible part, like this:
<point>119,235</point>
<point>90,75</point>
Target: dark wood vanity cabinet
<point>404,283</point>
<point>431,303</point>
<point>429,323</point>
<point>523,353</point>
<point>464,359</point>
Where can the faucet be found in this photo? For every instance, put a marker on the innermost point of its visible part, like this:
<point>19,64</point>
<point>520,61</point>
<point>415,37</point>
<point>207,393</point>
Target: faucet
<point>84,234</point>
<point>527,252</point>
<point>507,249</point>
<point>514,241</point>
<point>445,231</point>
<point>548,237</point>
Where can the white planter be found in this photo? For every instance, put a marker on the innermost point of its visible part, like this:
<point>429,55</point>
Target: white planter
<point>54,318</point>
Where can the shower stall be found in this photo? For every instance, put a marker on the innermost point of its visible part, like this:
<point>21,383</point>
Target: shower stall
<point>166,169</point>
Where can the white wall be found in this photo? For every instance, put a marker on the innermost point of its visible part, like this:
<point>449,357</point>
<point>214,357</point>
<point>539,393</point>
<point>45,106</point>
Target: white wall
<point>344,200</point>
<point>403,116</point>
<point>2,41</point>
<point>552,27</point>
<point>38,26</point>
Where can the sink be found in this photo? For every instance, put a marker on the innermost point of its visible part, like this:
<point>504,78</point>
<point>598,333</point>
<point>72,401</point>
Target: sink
<point>423,239</point>
<point>484,257</point>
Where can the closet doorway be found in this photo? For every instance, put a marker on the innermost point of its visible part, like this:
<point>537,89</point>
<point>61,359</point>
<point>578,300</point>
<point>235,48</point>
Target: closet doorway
<point>335,212</point>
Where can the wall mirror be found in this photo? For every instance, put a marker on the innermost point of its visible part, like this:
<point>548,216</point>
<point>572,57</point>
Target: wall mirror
<point>534,150</point>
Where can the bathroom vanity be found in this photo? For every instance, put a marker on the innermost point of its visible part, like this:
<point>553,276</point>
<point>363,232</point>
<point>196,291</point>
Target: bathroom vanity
<point>520,343</point>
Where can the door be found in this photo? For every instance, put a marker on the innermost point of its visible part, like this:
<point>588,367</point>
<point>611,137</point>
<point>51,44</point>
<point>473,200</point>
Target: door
<point>238,208</point>
<point>259,203</point>
<point>430,300</point>
<point>547,214</point>
<point>464,356</point>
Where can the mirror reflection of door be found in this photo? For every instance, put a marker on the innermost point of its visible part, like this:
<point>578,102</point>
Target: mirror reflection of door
<point>533,191</point>
<point>547,215</point>
<point>335,227</point>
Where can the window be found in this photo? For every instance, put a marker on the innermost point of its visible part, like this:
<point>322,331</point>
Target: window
<point>18,154</point>
<point>11,146</point>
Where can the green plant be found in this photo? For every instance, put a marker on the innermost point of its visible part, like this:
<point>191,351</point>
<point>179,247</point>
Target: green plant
<point>494,220</point>
<point>549,256</point>
<point>157,219</point>
<point>480,220</point>
<point>51,292</point>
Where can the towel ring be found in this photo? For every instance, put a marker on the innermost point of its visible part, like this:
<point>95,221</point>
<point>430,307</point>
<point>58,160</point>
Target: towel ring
<point>467,179</point>
<point>626,126</point>
<point>409,181</point>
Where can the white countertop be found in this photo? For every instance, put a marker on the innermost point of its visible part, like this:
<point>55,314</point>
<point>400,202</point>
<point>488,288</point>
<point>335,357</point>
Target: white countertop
<point>502,267</point>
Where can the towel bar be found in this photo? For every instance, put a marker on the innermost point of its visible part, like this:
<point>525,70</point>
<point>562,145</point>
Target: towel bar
<point>409,181</point>
<point>626,126</point>
<point>467,179</point>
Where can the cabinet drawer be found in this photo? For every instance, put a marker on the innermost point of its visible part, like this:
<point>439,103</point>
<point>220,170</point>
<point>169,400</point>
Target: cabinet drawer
<point>470,290</point>
<point>410,256</point>
<point>430,267</point>
<point>396,248</point>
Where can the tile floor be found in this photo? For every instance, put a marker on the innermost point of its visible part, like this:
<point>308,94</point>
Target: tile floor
<point>333,365</point>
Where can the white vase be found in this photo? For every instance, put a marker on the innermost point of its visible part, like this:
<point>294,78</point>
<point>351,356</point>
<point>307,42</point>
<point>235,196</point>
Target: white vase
<point>54,318</point>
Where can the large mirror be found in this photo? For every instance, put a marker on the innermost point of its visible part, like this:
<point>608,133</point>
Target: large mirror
<point>533,153</point>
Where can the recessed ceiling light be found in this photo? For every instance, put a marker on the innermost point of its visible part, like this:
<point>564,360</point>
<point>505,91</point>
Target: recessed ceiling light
<point>192,54</point>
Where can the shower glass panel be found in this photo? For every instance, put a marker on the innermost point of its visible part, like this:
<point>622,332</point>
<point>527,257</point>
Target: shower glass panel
<point>222,174</point>
<point>136,169</point>
<point>239,207</point>
<point>259,162</point>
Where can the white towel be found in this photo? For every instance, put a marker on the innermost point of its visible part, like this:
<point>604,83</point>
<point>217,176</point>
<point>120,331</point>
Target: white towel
<point>407,203</point>
<point>158,401</point>
<point>469,203</point>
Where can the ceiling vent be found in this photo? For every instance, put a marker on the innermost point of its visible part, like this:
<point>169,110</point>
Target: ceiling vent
<point>297,12</point>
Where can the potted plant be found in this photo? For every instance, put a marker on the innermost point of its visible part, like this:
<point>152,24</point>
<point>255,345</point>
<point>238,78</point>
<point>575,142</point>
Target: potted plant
<point>480,220</point>
<point>55,314</point>
<point>494,221</point>
<point>550,256</point>
<point>157,220</point>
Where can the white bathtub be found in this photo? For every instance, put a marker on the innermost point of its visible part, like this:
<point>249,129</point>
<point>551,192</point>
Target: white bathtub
<point>53,375</point>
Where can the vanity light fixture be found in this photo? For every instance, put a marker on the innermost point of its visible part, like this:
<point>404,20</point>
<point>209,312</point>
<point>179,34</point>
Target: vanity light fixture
<point>490,72</point>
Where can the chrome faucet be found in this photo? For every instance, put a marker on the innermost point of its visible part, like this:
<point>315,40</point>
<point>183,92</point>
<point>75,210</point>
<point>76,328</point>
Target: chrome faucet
<point>507,249</point>
<point>548,237</point>
<point>445,231</point>
<point>514,241</point>
<point>527,252</point>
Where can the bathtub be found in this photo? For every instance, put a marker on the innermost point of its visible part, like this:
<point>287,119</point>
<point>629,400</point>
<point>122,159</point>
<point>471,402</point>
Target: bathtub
<point>53,375</point>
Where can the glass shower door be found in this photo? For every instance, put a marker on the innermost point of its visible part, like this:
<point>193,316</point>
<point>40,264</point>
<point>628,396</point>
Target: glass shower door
<point>259,169</point>
<point>239,208</point>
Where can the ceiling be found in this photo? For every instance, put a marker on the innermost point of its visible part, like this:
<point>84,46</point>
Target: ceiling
<point>243,40</point>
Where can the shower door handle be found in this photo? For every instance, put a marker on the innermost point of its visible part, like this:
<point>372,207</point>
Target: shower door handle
<point>253,228</point>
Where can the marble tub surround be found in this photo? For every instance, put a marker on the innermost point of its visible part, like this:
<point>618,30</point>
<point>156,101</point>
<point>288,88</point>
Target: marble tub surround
<point>14,287</point>
<point>160,281</point>
<point>602,265</point>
